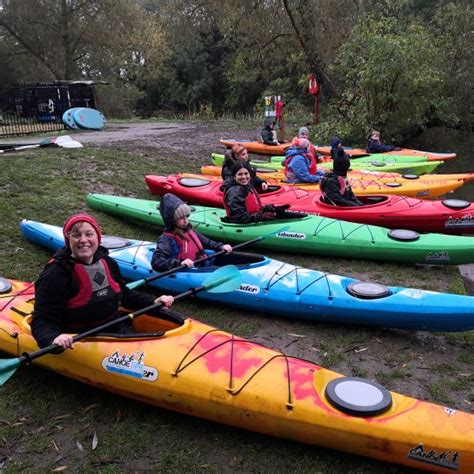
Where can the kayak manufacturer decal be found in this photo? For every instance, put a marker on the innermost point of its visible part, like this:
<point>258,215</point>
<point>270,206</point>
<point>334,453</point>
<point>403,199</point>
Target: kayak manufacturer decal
<point>425,192</point>
<point>291,235</point>
<point>131,365</point>
<point>465,221</point>
<point>447,459</point>
<point>442,256</point>
<point>253,289</point>
<point>449,411</point>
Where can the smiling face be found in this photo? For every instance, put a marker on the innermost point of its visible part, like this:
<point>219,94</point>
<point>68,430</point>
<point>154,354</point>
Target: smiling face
<point>242,176</point>
<point>83,241</point>
<point>244,155</point>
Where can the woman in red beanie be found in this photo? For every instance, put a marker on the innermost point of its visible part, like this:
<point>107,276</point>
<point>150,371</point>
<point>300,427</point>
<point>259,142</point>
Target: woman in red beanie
<point>81,287</point>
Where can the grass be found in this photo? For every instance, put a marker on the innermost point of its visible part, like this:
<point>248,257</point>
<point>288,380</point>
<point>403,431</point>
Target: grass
<point>43,417</point>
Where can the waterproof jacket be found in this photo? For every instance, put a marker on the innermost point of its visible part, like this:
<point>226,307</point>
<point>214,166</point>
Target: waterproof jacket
<point>243,205</point>
<point>336,191</point>
<point>376,146</point>
<point>169,247</point>
<point>300,167</point>
<point>267,136</point>
<point>65,302</point>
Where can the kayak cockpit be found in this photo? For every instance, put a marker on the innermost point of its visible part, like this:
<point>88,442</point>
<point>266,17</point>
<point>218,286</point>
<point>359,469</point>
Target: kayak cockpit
<point>146,326</point>
<point>366,200</point>
<point>238,259</point>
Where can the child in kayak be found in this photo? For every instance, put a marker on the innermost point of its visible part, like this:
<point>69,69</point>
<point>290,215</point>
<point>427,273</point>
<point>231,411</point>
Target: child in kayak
<point>81,287</point>
<point>375,145</point>
<point>239,153</point>
<point>268,134</point>
<point>180,244</point>
<point>242,202</point>
<point>334,186</point>
<point>300,164</point>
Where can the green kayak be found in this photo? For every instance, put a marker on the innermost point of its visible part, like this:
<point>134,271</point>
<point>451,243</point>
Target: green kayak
<point>311,234</point>
<point>374,164</point>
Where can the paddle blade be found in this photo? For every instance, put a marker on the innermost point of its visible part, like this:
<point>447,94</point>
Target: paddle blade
<point>135,284</point>
<point>7,369</point>
<point>223,280</point>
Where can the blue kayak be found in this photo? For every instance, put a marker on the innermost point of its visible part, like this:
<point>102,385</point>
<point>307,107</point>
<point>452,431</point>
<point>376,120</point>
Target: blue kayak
<point>276,287</point>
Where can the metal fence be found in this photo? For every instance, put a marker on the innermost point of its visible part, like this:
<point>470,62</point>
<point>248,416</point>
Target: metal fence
<point>38,107</point>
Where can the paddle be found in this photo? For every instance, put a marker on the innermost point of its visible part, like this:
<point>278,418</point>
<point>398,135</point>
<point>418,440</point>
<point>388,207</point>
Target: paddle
<point>223,280</point>
<point>144,281</point>
<point>64,142</point>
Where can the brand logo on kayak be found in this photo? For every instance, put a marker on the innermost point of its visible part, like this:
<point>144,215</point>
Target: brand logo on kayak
<point>449,411</point>
<point>465,221</point>
<point>249,288</point>
<point>425,192</point>
<point>291,235</point>
<point>442,256</point>
<point>131,365</point>
<point>102,292</point>
<point>447,459</point>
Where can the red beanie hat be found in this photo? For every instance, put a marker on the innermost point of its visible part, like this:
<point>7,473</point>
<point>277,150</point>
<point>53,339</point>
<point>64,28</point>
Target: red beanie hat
<point>74,219</point>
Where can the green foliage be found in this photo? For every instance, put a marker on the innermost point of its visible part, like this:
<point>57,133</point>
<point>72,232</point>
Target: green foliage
<point>388,75</point>
<point>454,39</point>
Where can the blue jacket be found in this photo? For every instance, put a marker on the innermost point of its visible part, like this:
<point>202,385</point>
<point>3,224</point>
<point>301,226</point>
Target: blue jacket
<point>298,168</point>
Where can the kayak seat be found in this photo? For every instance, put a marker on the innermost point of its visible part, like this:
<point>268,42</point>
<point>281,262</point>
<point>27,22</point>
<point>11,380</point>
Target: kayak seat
<point>236,258</point>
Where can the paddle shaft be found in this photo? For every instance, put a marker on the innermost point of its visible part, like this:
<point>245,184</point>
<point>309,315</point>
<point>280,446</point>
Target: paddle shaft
<point>53,347</point>
<point>183,267</point>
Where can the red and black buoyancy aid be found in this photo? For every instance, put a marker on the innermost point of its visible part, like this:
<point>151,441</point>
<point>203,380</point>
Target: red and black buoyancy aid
<point>312,168</point>
<point>252,203</point>
<point>189,247</point>
<point>98,298</point>
<point>342,187</point>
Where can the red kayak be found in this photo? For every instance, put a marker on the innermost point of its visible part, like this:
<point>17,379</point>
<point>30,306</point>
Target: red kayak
<point>450,216</point>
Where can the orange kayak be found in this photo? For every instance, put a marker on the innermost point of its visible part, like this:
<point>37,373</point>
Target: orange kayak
<point>191,367</point>
<point>257,147</point>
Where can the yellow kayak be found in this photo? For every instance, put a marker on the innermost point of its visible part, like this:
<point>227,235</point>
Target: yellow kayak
<point>196,369</point>
<point>419,188</point>
<point>383,176</point>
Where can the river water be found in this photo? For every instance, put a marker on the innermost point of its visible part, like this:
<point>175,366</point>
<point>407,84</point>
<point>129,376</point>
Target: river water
<point>444,140</point>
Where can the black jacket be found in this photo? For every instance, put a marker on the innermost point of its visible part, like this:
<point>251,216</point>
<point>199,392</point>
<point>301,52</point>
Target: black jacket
<point>267,136</point>
<point>234,197</point>
<point>57,284</point>
<point>330,187</point>
<point>376,146</point>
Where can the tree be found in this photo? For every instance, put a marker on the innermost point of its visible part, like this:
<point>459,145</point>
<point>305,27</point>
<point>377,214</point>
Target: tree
<point>387,70</point>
